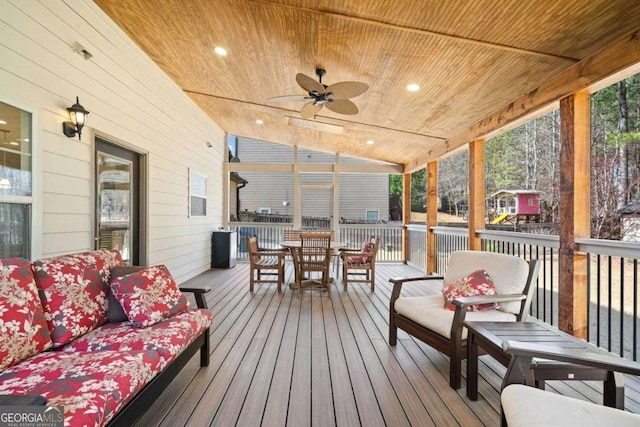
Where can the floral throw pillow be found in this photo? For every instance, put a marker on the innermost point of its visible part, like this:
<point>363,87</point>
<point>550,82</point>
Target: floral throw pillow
<point>149,296</point>
<point>477,283</point>
<point>23,328</point>
<point>366,247</point>
<point>73,289</point>
<point>115,313</point>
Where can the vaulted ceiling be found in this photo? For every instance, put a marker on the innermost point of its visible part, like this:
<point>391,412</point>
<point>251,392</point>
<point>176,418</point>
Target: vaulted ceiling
<point>479,63</point>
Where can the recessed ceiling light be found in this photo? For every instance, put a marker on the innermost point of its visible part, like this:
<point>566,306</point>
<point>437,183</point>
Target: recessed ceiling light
<point>371,142</point>
<point>413,87</point>
<point>2,122</point>
<point>220,51</point>
<point>259,121</point>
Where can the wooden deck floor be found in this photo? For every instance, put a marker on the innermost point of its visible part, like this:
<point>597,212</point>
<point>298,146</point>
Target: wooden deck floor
<point>281,360</point>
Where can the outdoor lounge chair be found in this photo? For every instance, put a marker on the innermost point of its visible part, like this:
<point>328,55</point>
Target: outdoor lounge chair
<point>426,318</point>
<point>529,406</point>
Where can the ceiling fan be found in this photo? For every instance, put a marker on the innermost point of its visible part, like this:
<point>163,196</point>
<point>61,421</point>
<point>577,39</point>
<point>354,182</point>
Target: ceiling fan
<point>335,97</point>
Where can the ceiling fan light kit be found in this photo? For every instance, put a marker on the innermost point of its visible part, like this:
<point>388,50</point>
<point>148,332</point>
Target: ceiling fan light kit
<point>335,97</point>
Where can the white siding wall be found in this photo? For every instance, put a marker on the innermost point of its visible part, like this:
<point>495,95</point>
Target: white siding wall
<point>132,102</point>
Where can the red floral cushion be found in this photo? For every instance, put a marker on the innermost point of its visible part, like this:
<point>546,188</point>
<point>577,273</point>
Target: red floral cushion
<point>167,337</point>
<point>23,329</point>
<point>366,247</point>
<point>475,284</point>
<point>149,295</point>
<point>74,291</point>
<point>92,386</point>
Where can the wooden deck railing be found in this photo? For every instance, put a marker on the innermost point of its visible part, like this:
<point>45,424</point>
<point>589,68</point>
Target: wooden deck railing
<point>271,234</point>
<point>612,271</point>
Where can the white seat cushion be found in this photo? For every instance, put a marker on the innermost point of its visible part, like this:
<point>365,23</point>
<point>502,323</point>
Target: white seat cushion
<point>522,408</point>
<point>509,273</point>
<point>429,312</point>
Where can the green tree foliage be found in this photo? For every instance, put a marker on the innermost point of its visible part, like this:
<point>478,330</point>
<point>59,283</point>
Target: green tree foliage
<point>419,191</point>
<point>395,184</point>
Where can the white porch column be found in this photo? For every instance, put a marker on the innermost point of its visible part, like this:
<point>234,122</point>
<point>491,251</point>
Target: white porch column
<point>297,192</point>
<point>336,199</point>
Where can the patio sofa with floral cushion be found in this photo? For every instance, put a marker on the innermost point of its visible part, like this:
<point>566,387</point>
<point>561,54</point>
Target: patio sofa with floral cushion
<point>101,339</point>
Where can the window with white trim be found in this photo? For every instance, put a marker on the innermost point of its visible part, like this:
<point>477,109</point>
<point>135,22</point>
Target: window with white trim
<point>197,194</point>
<point>16,182</point>
<point>373,215</point>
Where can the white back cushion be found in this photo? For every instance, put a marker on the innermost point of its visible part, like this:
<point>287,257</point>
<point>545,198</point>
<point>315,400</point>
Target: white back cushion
<point>509,273</point>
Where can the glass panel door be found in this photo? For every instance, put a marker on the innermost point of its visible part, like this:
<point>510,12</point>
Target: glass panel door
<point>117,201</point>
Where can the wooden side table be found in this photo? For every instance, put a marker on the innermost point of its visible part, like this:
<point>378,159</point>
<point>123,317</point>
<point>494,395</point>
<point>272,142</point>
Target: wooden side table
<point>490,335</point>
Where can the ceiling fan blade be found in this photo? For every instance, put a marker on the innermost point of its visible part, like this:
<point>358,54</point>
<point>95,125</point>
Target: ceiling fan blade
<point>342,106</point>
<point>346,90</point>
<point>310,110</point>
<point>288,98</point>
<point>309,84</point>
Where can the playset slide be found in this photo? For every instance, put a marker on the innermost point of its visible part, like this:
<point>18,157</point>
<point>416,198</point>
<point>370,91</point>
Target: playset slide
<point>500,218</point>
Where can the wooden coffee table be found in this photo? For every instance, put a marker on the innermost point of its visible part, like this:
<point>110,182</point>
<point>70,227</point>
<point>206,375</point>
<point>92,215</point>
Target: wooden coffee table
<point>490,335</point>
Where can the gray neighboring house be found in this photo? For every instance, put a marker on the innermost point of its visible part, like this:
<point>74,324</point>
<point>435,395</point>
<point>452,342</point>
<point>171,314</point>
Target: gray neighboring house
<point>362,196</point>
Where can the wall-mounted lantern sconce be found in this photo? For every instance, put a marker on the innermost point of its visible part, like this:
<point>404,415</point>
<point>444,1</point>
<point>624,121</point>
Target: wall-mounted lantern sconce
<point>78,116</point>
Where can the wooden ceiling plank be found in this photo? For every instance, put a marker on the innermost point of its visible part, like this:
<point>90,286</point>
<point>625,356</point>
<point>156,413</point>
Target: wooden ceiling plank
<point>581,76</point>
<point>423,32</point>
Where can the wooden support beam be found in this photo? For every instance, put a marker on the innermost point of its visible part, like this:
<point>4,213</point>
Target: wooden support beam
<point>574,212</point>
<point>432,214</point>
<point>476,193</point>
<point>406,214</point>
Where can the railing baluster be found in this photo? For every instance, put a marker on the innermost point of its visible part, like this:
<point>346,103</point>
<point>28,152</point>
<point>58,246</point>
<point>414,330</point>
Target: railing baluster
<point>621,307</point>
<point>609,301</point>
<point>588,297</point>
<point>599,288</point>
<point>635,309</point>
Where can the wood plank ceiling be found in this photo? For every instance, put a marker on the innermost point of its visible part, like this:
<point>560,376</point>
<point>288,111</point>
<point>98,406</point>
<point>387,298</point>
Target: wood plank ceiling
<point>470,58</point>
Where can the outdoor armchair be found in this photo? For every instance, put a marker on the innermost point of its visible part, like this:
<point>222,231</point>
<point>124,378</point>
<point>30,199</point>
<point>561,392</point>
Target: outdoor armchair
<point>427,318</point>
<point>529,406</point>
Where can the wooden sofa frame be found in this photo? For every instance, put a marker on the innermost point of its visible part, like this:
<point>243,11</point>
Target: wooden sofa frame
<point>456,347</point>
